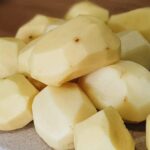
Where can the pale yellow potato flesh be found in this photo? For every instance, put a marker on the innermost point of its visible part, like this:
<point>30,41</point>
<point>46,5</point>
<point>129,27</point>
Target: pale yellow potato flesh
<point>135,47</point>
<point>9,50</point>
<point>87,8</point>
<point>138,19</point>
<point>16,96</point>
<point>56,110</point>
<point>37,26</point>
<point>74,49</point>
<point>103,131</point>
<point>124,85</point>
<point>24,57</point>
<point>148,132</point>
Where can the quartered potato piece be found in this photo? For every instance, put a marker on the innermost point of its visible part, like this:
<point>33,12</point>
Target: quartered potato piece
<point>55,112</point>
<point>103,131</point>
<point>135,47</point>
<point>72,50</point>
<point>87,8</point>
<point>124,85</point>
<point>16,96</point>
<point>138,19</point>
<point>37,26</point>
<point>9,50</point>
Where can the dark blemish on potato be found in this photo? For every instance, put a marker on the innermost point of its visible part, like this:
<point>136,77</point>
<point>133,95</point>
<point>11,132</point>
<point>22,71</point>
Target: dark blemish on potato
<point>30,37</point>
<point>107,48</point>
<point>76,40</point>
<point>125,100</point>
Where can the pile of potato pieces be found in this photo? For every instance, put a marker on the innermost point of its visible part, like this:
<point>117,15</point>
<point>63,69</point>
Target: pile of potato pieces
<point>59,72</point>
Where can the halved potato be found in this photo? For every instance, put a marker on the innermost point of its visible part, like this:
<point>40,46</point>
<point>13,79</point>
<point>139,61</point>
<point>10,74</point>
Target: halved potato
<point>87,8</point>
<point>55,112</point>
<point>16,96</point>
<point>72,50</point>
<point>9,49</point>
<point>138,19</point>
<point>135,47</point>
<point>37,26</point>
<point>103,131</point>
<point>124,85</point>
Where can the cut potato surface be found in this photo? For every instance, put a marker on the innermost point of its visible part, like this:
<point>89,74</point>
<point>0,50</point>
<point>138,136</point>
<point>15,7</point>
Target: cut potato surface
<point>16,95</point>
<point>72,50</point>
<point>138,19</point>
<point>24,58</point>
<point>55,112</point>
<point>36,27</point>
<point>87,8</point>
<point>135,47</point>
<point>103,131</point>
<point>124,85</point>
<point>148,132</point>
<point>9,49</point>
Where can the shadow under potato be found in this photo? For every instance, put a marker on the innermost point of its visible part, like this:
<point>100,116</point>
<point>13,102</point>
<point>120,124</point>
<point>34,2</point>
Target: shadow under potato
<point>136,127</point>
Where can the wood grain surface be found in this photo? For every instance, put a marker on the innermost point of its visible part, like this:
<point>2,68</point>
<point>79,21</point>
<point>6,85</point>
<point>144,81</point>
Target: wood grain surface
<point>13,13</point>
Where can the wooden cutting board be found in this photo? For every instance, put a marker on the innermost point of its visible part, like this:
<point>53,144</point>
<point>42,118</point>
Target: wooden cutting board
<point>13,13</point>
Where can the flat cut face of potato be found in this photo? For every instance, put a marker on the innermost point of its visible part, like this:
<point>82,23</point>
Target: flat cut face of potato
<point>87,8</point>
<point>124,85</point>
<point>37,26</point>
<point>55,112</point>
<point>135,47</point>
<point>138,19</point>
<point>24,57</point>
<point>103,131</point>
<point>73,50</point>
<point>16,96</point>
<point>9,50</point>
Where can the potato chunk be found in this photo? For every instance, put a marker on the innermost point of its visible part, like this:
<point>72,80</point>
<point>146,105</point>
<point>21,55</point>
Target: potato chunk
<point>135,47</point>
<point>73,50</point>
<point>37,26</point>
<point>16,95</point>
<point>9,49</point>
<point>103,131</point>
<point>138,19</point>
<point>124,85</point>
<point>87,8</point>
<point>55,112</point>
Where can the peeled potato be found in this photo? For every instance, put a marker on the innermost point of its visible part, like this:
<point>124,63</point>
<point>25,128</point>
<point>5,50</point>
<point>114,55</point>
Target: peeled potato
<point>37,26</point>
<point>138,19</point>
<point>55,112</point>
<point>148,132</point>
<point>16,95</point>
<point>87,8</point>
<point>135,47</point>
<point>72,50</point>
<point>103,131</point>
<point>124,85</point>
<point>9,49</point>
